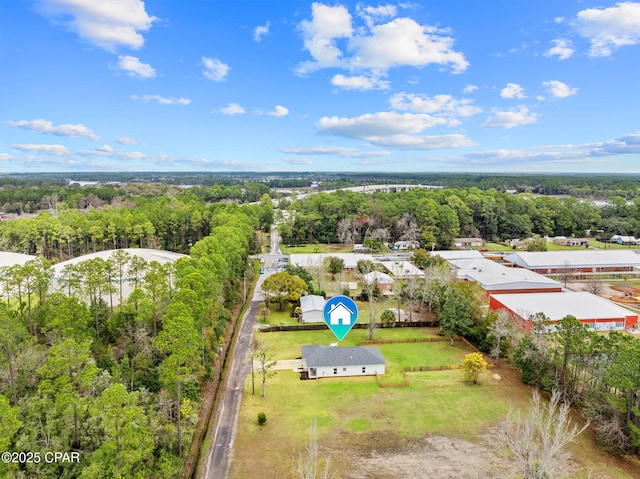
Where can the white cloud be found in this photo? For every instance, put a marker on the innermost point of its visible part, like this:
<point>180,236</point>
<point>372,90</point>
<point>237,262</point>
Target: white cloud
<point>214,69</point>
<point>135,68</point>
<point>559,89</point>
<point>359,82</point>
<point>45,126</point>
<point>125,140</point>
<point>610,28</point>
<point>108,25</point>
<point>320,34</point>
<point>374,125</point>
<point>562,48</point>
<point>104,148</point>
<point>512,90</point>
<point>393,130</point>
<point>376,47</point>
<point>508,119</point>
<point>232,109</point>
<point>161,100</point>
<point>5,157</point>
<point>260,31</point>
<point>279,111</point>
<point>404,42</point>
<point>372,15</point>
<point>438,104</point>
<point>340,151</point>
<point>54,150</point>
<point>470,89</point>
<point>298,161</point>
<point>410,142</point>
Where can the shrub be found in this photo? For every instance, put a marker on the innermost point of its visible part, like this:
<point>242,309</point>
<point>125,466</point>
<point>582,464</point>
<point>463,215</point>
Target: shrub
<point>262,418</point>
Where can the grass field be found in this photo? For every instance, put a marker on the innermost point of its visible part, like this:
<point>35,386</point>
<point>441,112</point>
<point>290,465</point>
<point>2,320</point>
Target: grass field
<point>316,248</point>
<point>358,419</point>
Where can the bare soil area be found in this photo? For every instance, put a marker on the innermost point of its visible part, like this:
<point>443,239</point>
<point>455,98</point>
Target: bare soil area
<point>433,457</point>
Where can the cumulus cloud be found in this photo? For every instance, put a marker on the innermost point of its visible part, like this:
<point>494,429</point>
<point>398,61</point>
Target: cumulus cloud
<point>327,25</point>
<point>512,90</point>
<point>562,49</point>
<point>393,130</point>
<point>373,125</point>
<point>359,82</point>
<point>161,100</point>
<point>125,140</point>
<point>510,118</point>
<point>232,109</point>
<point>54,150</point>
<point>279,111</point>
<point>5,157</point>
<point>376,47</point>
<point>470,89</point>
<point>609,28</point>
<point>438,104</point>
<point>135,68</point>
<point>372,15</point>
<point>214,69</point>
<point>45,126</point>
<point>260,31</point>
<point>559,89</point>
<point>108,25</point>
<point>340,151</point>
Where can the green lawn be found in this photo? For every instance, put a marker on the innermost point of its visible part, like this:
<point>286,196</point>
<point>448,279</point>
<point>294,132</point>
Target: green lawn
<point>316,248</point>
<point>355,413</point>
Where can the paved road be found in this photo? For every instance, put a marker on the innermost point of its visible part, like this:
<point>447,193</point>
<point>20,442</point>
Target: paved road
<point>216,466</point>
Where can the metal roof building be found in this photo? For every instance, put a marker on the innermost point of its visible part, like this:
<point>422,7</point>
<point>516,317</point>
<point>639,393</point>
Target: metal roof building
<point>312,308</point>
<point>587,261</point>
<point>496,278</point>
<point>316,260</point>
<point>597,313</point>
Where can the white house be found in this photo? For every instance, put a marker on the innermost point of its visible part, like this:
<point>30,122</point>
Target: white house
<point>312,308</point>
<point>621,239</point>
<point>339,314</point>
<point>334,361</point>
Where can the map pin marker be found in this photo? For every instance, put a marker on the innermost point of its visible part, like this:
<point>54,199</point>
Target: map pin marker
<point>340,314</point>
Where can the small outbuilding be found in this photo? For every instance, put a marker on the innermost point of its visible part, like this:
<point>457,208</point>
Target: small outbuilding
<point>384,281</point>
<point>333,361</point>
<point>312,308</point>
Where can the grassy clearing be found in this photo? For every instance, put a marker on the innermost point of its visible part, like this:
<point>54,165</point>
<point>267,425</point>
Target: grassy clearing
<point>317,248</point>
<point>355,416</point>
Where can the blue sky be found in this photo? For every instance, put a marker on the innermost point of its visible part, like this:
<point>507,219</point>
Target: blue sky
<point>186,85</point>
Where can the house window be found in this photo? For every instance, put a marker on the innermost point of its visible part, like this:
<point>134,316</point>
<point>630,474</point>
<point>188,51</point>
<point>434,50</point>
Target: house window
<point>344,370</point>
<point>364,369</point>
<point>335,370</point>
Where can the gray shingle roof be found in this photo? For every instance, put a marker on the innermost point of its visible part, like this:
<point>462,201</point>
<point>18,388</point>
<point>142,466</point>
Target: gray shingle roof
<point>334,356</point>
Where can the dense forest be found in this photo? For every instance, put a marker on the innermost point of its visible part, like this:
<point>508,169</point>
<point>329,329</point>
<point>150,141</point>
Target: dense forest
<point>436,217</point>
<point>118,383</point>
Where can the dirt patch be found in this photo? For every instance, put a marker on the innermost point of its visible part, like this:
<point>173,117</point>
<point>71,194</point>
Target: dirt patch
<point>605,288</point>
<point>435,457</point>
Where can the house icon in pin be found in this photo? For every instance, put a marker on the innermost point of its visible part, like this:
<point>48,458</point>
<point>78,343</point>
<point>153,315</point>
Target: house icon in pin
<point>340,315</point>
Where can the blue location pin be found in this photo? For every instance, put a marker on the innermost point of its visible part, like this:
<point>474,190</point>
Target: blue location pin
<point>340,314</point>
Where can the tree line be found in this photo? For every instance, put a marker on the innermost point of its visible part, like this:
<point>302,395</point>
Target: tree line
<point>161,223</point>
<point>436,217</point>
<point>117,381</point>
